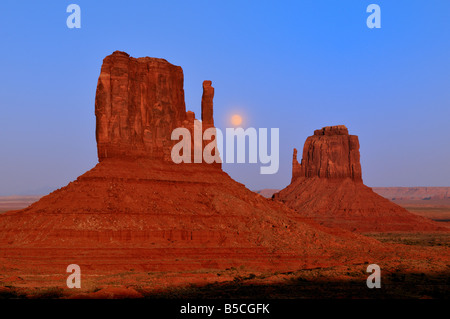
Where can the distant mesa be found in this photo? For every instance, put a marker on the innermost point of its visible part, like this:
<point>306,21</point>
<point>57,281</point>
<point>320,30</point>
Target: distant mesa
<point>414,193</point>
<point>327,186</point>
<point>410,194</point>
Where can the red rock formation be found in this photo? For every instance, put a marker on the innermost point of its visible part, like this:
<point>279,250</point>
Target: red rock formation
<point>138,104</point>
<point>329,153</point>
<point>137,216</point>
<point>327,187</point>
<point>207,103</point>
<point>136,209</point>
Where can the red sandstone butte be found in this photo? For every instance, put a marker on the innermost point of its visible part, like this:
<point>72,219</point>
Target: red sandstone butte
<point>330,153</point>
<point>137,209</point>
<point>327,186</point>
<point>137,105</point>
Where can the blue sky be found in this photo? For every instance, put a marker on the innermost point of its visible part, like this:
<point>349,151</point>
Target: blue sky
<point>295,65</point>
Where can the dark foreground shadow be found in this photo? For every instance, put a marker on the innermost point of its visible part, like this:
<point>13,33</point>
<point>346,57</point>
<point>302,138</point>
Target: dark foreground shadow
<point>394,286</point>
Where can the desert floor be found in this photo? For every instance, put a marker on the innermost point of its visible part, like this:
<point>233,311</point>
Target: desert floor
<point>412,279</point>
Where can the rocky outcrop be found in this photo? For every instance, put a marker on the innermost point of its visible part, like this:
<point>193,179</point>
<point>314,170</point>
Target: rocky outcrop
<point>330,153</point>
<point>138,104</point>
<point>327,187</point>
<point>207,104</point>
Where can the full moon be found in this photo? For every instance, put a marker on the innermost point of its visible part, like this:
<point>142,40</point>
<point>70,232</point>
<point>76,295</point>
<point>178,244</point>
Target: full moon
<point>236,120</point>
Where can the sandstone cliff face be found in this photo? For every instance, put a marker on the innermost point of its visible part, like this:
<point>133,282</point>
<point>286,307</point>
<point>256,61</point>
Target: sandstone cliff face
<point>327,187</point>
<point>138,104</point>
<point>330,153</point>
